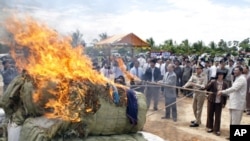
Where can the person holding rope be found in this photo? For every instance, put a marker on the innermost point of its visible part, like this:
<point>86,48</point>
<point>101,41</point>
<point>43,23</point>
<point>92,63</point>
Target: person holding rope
<point>198,80</point>
<point>169,93</point>
<point>215,103</point>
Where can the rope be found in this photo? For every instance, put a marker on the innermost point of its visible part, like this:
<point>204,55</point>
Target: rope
<point>170,104</point>
<point>153,84</point>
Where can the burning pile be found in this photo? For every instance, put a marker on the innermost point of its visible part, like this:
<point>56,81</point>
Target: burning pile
<point>57,68</point>
<point>59,84</point>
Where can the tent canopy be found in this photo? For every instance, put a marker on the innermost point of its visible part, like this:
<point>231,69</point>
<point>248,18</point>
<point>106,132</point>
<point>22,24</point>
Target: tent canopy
<point>123,40</point>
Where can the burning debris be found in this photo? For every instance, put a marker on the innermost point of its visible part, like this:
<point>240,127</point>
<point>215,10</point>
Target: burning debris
<point>60,94</point>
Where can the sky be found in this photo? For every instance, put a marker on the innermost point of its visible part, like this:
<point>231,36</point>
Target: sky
<point>206,20</point>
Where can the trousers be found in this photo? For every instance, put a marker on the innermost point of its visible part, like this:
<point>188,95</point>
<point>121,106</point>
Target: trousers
<point>172,109</point>
<point>152,92</point>
<point>235,116</point>
<point>198,102</point>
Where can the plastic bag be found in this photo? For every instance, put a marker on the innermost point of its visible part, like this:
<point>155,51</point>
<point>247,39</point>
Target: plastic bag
<point>13,131</point>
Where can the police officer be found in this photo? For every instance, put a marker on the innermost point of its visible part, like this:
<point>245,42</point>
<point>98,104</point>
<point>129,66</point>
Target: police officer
<point>197,81</point>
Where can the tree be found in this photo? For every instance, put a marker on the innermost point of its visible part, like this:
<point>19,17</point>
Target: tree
<point>223,46</point>
<point>77,39</point>
<point>103,36</point>
<point>199,47</point>
<point>245,45</point>
<point>151,42</point>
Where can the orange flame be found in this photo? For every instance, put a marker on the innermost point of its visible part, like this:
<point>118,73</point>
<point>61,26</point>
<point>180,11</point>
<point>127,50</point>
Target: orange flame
<point>52,59</point>
<point>128,75</point>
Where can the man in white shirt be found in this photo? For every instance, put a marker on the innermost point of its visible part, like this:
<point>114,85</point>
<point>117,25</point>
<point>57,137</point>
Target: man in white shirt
<point>137,70</point>
<point>142,60</point>
<point>146,65</point>
<point>212,71</point>
<point>106,71</point>
<point>164,69</point>
<point>161,65</point>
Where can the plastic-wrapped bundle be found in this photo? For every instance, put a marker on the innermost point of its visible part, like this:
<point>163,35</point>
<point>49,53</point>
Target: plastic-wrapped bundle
<point>105,118</point>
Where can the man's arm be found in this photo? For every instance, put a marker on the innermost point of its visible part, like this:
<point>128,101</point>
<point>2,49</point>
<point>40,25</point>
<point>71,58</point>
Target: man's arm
<point>171,80</point>
<point>236,86</point>
<point>189,83</point>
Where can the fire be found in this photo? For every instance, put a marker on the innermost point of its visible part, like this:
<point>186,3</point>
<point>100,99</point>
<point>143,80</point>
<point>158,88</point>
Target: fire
<point>128,75</point>
<point>52,59</point>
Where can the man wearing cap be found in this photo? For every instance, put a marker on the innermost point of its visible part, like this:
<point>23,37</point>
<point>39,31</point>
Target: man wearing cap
<point>197,81</point>
<point>152,74</point>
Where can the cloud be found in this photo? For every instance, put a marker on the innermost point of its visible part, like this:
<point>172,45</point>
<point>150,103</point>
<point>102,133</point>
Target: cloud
<point>165,19</point>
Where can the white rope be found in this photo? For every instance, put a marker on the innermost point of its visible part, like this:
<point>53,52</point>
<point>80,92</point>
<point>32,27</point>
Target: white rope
<point>171,104</point>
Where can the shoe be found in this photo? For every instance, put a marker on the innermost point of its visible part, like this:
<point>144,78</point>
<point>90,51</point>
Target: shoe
<point>217,133</point>
<point>193,121</point>
<point>165,118</point>
<point>194,125</point>
<point>155,109</point>
<point>209,130</point>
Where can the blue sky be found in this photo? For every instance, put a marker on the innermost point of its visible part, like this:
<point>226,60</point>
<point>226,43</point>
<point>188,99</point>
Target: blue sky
<point>207,20</point>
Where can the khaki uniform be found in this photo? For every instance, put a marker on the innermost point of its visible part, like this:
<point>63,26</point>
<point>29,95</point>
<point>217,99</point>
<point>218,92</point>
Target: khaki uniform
<point>199,98</point>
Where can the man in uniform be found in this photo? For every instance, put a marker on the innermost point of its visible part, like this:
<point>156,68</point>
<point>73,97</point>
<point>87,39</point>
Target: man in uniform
<point>197,81</point>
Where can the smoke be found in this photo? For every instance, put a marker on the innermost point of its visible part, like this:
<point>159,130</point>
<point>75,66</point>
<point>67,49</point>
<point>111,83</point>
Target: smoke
<point>3,15</point>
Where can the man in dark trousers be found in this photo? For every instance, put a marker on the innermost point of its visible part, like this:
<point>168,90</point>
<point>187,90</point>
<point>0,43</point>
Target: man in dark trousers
<point>152,74</point>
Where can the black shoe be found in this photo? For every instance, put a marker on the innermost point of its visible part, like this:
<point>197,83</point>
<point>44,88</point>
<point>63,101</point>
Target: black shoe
<point>165,117</point>
<point>193,121</point>
<point>194,125</point>
<point>209,130</point>
<point>217,133</point>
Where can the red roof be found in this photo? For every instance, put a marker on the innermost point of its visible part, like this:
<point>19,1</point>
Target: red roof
<point>123,40</point>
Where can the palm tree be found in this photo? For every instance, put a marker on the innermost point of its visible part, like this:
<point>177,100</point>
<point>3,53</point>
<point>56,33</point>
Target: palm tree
<point>223,45</point>
<point>103,36</point>
<point>77,39</point>
<point>150,41</point>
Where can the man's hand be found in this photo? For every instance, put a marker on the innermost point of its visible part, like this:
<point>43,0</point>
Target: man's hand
<point>160,81</point>
<point>219,93</point>
<point>193,84</point>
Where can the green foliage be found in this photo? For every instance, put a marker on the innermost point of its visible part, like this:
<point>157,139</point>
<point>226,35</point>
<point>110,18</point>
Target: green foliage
<point>77,39</point>
<point>186,48</point>
<point>151,42</point>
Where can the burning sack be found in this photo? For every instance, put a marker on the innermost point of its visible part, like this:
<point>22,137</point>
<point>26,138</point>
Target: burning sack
<point>94,113</point>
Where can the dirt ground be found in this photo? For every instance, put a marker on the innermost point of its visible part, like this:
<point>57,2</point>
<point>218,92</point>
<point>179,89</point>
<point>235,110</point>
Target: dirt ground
<point>180,130</point>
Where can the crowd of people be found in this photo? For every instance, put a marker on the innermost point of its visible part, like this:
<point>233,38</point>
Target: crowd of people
<point>216,80</point>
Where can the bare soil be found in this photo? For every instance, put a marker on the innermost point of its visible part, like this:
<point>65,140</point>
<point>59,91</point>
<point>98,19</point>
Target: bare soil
<point>180,130</point>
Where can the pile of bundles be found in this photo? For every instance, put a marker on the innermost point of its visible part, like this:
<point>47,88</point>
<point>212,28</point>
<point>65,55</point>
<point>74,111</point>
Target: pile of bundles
<point>102,110</point>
